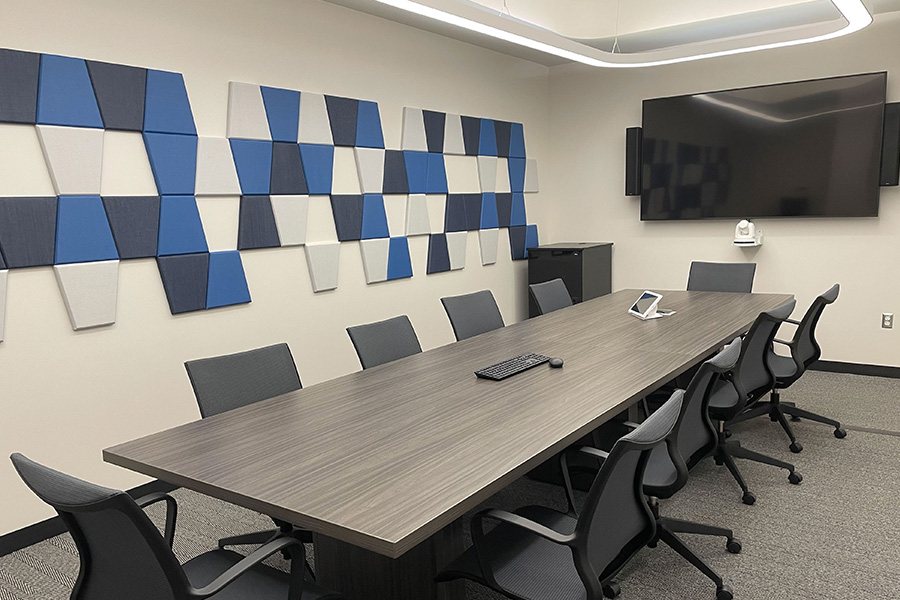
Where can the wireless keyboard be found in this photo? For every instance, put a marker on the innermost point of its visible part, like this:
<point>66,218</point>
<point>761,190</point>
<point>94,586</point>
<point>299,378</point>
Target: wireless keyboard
<point>511,366</point>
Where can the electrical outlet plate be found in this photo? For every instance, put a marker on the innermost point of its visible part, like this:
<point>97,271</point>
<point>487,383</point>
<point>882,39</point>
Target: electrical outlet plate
<point>887,320</point>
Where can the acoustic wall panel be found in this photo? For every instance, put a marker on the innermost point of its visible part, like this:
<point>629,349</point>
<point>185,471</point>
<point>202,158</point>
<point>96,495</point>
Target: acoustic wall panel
<point>323,259</point>
<point>489,218</point>
<point>291,213</point>
<point>257,228</point>
<point>436,176</point>
<point>173,159</point>
<point>185,279</point>
<point>437,208</point>
<point>471,129</point>
<point>399,262</point>
<point>368,126</point>
<point>453,135</point>
<point>83,233</point>
<point>413,134</point>
<point>348,216</point>
<point>246,112</point>
<point>434,130</point>
<point>374,218</point>
<point>65,94</point>
<point>395,209</point>
<point>417,220</point>
<point>320,225</point>
<point>221,218</point>
<point>395,181</point>
<point>345,178</point>
<point>375,259</point>
<point>504,209</point>
<point>517,175</point>
<point>180,227</point>
<point>226,282</point>
<point>253,161</point>
<point>134,222</point>
<point>438,254</point>
<point>370,169</point>
<point>502,130</point>
<point>4,279</point>
<point>456,248</point>
<point>473,211</point>
<point>502,182</point>
<point>120,92</point>
<point>487,140</point>
<point>488,240</point>
<point>216,175</point>
<point>487,173</point>
<point>517,235</point>
<point>126,168</point>
<point>416,171</point>
<point>23,168</point>
<point>517,212</point>
<point>343,114</point>
<point>18,87</point>
<point>28,231</point>
<point>455,213</point>
<point>166,105</point>
<point>74,156</point>
<point>531,176</point>
<point>314,126</point>
<point>282,113</point>
<point>90,291</point>
<point>287,177</point>
<point>516,141</point>
<point>318,167</point>
<point>462,174</point>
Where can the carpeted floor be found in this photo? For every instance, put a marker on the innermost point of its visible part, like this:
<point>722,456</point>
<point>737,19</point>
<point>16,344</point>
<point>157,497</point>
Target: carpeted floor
<point>834,537</point>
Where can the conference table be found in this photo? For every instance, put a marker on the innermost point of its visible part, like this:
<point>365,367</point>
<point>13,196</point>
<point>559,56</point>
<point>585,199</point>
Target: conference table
<point>380,464</point>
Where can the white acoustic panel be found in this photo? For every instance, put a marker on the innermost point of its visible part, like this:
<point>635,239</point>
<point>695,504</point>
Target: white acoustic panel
<point>323,259</point>
<point>413,136</point>
<point>4,276</point>
<point>375,258</point>
<point>246,112</point>
<point>75,158</point>
<point>395,209</point>
<point>456,246</point>
<point>23,169</point>
<point>453,135</point>
<point>90,291</point>
<point>291,213</point>
<point>320,220</point>
<point>417,221</point>
<point>314,126</point>
<point>488,240</point>
<point>216,175</point>
<point>344,179</point>
<point>503,176</point>
<point>531,175</point>
<point>220,216</point>
<point>370,169</point>
<point>487,173</point>
<point>126,168</point>
<point>437,205</point>
<point>462,174</point>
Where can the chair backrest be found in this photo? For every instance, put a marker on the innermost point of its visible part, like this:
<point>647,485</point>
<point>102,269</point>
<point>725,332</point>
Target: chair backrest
<point>121,551</point>
<point>721,277</point>
<point>384,341</point>
<point>472,314</point>
<point>616,520</point>
<point>751,375</point>
<point>550,295</point>
<point>806,349</point>
<point>225,382</point>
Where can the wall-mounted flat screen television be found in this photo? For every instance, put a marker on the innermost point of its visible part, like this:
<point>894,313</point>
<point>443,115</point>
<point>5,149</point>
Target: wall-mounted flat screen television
<point>806,148</point>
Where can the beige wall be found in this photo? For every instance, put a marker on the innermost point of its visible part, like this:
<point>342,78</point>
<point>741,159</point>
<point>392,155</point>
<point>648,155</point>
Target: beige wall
<point>590,110</point>
<point>66,395</point>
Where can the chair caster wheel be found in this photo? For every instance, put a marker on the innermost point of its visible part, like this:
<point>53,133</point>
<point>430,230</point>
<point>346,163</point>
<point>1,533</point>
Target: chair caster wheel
<point>773,418</point>
<point>795,477</point>
<point>724,593</point>
<point>796,447</point>
<point>727,433</point>
<point>611,590</point>
<point>839,433</point>
<point>749,498</point>
<point>795,418</point>
<point>734,546</point>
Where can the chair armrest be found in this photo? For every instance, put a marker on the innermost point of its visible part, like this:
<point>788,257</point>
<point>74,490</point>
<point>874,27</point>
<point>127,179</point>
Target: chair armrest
<point>781,342</point>
<point>298,563</point>
<point>792,322</point>
<point>600,455</point>
<point>171,512</point>
<point>630,424</point>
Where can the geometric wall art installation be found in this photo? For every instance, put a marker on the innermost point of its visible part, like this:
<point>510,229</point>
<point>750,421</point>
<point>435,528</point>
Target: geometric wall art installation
<point>75,158</point>
<point>216,175</point>
<point>531,175</point>
<point>487,173</point>
<point>83,233</point>
<point>413,134</point>
<point>517,141</point>
<point>456,248</point>
<point>126,168</point>
<point>166,105</point>
<point>436,179</point>
<point>453,135</point>
<point>399,260</point>
<point>489,218</point>
<point>287,176</point>
<point>282,112</point>
<point>28,231</point>
<point>417,221</point>
<point>462,174</point>
<point>257,228</point>
<point>374,218</point>
<point>90,291</point>
<point>434,130</point>
<point>343,114</point>
<point>517,235</point>
<point>455,215</point>
<point>135,224</point>
<point>345,176</point>
<point>473,211</point>
<point>437,207</point>
<point>65,93</point>
<point>395,210</point>
<point>291,218</point>
<point>18,86</point>
<point>517,215</point>
<point>471,128</point>
<point>120,91</point>
<point>173,158</point>
<point>348,216</point>
<point>180,227</point>
<point>368,126</point>
<point>323,260</point>
<point>227,284</point>
<point>502,180</point>
<point>4,278</point>
<point>502,131</point>
<point>23,168</point>
<point>318,167</point>
<point>253,161</point>
<point>488,241</point>
<point>438,254</point>
<point>416,171</point>
<point>395,179</point>
<point>375,259</point>
<point>487,140</point>
<point>504,209</point>
<point>517,175</point>
<point>185,277</point>
<point>370,167</point>
<point>246,113</point>
<point>314,127</point>
<point>221,217</point>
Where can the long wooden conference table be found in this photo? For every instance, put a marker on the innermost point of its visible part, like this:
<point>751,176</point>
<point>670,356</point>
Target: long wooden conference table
<point>381,464</point>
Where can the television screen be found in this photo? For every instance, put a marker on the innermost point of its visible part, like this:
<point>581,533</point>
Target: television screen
<point>807,148</point>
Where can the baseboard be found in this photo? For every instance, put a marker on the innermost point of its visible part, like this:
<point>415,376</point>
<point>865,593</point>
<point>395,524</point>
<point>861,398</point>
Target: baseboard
<point>833,366</point>
<point>28,536</point>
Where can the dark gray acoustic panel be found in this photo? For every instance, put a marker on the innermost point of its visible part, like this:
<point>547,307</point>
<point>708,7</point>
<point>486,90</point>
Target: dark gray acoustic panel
<point>434,130</point>
<point>471,127</point>
<point>455,213</point>
<point>438,254</point>
<point>28,231</point>
<point>2,262</point>
<point>343,114</point>
<point>257,228</point>
<point>120,92</point>
<point>517,235</point>
<point>502,130</point>
<point>395,181</point>
<point>185,278</point>
<point>890,149</point>
<point>18,86</point>
<point>134,221</point>
<point>348,217</point>
<point>504,209</point>
<point>287,171</point>
<point>633,139</point>
<point>473,211</point>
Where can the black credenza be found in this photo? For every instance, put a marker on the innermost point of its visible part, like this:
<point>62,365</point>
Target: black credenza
<point>586,269</point>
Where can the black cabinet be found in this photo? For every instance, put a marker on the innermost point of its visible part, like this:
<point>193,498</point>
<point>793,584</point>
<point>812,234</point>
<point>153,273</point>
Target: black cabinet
<point>586,269</point>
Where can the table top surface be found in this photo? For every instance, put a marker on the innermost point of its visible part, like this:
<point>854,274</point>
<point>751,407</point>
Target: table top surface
<point>385,458</point>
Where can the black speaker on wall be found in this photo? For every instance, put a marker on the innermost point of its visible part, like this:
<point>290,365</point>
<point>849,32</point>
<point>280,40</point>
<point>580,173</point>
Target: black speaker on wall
<point>633,161</point>
<point>890,148</point>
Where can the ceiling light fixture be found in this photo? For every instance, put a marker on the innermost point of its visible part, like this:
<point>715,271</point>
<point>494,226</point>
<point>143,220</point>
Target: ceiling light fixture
<point>470,16</point>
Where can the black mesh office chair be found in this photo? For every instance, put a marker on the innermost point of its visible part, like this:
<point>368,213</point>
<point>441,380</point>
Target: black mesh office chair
<point>230,381</point>
<point>472,314</point>
<point>805,351</point>
<point>542,554</point>
<point>384,341</point>
<point>550,295</point>
<point>721,277</point>
<point>749,380</point>
<point>123,555</point>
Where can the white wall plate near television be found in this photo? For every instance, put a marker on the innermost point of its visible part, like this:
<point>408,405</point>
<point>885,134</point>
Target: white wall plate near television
<point>647,307</point>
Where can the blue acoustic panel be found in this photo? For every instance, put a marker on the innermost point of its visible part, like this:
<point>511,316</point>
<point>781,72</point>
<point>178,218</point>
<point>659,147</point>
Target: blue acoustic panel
<point>517,212</point>
<point>18,86</point>
<point>185,280</point>
<point>180,227</point>
<point>489,218</point>
<point>517,175</point>
<point>471,127</point>
<point>399,263</point>
<point>502,131</point>
<point>227,284</point>
<point>436,176</point>
<point>504,209</point>
<point>166,105</point>
<point>473,211</point>
<point>82,231</point>
<point>342,112</point>
<point>28,231</point>
<point>516,141</point>
<point>368,126</point>
<point>120,92</point>
<point>487,140</point>
<point>135,224</point>
<point>438,254</point>
<point>65,94</point>
<point>455,213</point>
<point>253,161</point>
<point>531,238</point>
<point>395,181</point>
<point>434,129</point>
<point>287,170</point>
<point>257,227</point>
<point>348,217</point>
<point>173,159</point>
<point>416,171</point>
<point>374,217</point>
<point>282,112</point>
<point>318,167</point>
<point>517,241</point>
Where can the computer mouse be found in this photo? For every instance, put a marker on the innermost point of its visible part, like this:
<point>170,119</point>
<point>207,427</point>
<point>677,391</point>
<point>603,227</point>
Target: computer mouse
<point>556,363</point>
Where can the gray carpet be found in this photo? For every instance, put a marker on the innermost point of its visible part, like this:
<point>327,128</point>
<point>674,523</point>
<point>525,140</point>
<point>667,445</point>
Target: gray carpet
<point>833,537</point>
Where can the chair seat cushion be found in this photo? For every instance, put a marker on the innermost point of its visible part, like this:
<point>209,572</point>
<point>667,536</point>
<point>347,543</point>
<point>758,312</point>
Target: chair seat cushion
<point>782,367</point>
<point>723,400</point>
<point>525,564</point>
<point>660,472</point>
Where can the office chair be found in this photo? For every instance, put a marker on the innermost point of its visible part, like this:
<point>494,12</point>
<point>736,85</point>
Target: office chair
<point>550,295</point>
<point>384,341</point>
<point>123,555</point>
<point>543,554</point>
<point>749,380</point>
<point>472,314</point>
<point>805,351</point>
<point>230,381</point>
<point>721,277</point>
